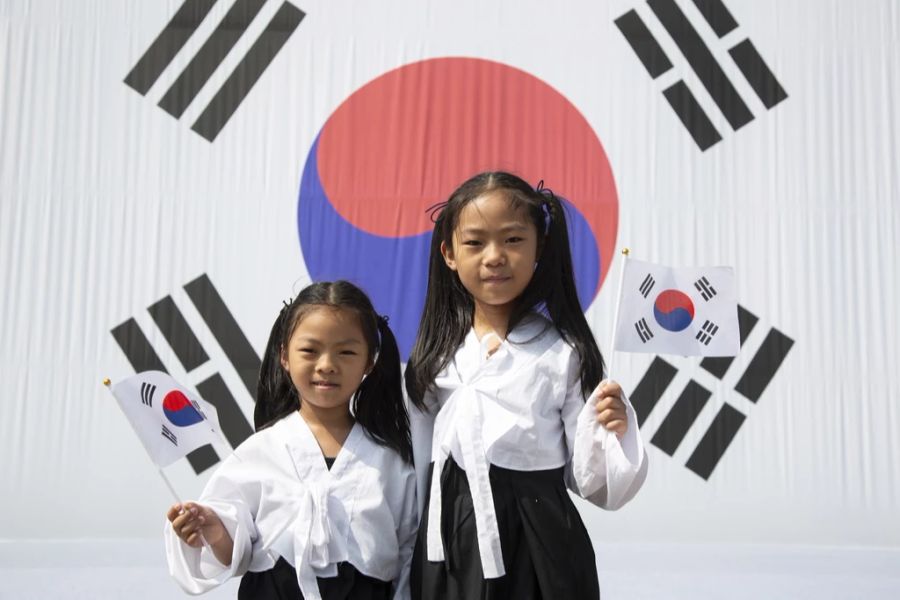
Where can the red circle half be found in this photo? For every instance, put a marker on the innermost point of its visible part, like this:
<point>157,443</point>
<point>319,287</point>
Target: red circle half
<point>407,139</point>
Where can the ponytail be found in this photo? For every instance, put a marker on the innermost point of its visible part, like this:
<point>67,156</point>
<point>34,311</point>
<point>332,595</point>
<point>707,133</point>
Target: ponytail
<point>552,290</point>
<point>378,404</point>
<point>276,396</point>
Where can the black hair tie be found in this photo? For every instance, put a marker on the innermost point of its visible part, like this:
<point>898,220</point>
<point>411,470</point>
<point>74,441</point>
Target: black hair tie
<point>547,198</point>
<point>436,211</point>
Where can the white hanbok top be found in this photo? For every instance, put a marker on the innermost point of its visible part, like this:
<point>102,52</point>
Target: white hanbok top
<point>277,497</point>
<point>520,408</point>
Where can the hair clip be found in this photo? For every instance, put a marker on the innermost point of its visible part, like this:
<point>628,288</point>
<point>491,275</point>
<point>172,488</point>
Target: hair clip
<point>383,319</point>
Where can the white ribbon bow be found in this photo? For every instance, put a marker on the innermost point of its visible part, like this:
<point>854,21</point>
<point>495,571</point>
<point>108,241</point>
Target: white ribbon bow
<point>461,417</point>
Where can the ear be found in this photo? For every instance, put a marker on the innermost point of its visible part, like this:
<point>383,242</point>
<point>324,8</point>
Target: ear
<point>283,359</point>
<point>447,253</point>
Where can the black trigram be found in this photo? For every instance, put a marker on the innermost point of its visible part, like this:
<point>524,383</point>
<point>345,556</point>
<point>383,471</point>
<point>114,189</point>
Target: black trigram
<point>169,435</point>
<point>705,288</point>
<point>147,391</point>
<point>230,29</point>
<point>196,406</point>
<point>725,425</point>
<point>643,331</point>
<point>647,285</point>
<point>191,354</point>
<point>706,333</point>
<point>701,60</point>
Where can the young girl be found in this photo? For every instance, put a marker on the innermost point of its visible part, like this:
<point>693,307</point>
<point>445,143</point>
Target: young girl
<point>498,377</point>
<point>321,500</point>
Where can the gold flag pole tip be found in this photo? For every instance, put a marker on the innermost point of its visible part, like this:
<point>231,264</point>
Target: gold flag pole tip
<point>106,381</point>
<point>625,251</point>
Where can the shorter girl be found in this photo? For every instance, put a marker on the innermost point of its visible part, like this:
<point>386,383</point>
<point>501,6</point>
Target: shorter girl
<point>321,500</point>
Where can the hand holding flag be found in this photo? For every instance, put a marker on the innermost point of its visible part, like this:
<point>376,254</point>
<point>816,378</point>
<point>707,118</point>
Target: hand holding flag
<point>611,409</point>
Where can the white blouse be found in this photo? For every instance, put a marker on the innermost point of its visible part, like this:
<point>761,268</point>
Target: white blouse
<point>519,408</point>
<point>277,497</point>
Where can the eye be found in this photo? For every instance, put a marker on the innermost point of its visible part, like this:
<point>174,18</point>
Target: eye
<point>472,243</point>
<point>349,352</point>
<point>515,239</point>
<point>307,350</point>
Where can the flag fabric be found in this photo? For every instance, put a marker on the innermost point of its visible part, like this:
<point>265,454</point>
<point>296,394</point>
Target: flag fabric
<point>690,311</point>
<point>169,419</point>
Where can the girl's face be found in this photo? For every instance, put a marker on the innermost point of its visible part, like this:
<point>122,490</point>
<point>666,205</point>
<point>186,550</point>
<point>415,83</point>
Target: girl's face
<point>494,250</point>
<point>326,357</point>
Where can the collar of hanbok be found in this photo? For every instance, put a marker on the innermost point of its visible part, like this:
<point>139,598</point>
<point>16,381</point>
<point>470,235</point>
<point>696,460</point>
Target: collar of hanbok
<point>304,521</point>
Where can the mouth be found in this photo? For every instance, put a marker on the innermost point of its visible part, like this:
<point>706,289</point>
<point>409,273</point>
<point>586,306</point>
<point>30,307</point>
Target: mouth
<point>324,385</point>
<point>495,279</point>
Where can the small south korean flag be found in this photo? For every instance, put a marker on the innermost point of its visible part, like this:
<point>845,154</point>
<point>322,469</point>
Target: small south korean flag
<point>169,420</point>
<point>689,311</point>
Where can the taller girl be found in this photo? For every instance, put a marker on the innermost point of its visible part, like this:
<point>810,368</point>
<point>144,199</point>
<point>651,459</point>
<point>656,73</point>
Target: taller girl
<point>498,377</point>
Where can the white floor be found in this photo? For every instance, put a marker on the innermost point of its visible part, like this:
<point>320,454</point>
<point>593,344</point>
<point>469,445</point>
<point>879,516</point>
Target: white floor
<point>136,570</point>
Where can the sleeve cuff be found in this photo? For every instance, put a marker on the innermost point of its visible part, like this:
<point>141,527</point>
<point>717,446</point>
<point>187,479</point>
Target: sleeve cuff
<point>608,471</point>
<point>197,570</point>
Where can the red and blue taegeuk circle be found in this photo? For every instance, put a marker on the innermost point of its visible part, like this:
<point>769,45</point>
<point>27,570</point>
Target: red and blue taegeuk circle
<point>673,310</point>
<point>179,410</point>
<point>407,139</point>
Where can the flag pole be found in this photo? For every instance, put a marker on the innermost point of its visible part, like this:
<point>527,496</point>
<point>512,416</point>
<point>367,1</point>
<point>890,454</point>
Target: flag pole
<point>612,338</point>
<point>108,384</point>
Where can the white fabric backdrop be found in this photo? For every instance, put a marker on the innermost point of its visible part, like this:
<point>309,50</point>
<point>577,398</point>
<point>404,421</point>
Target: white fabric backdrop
<point>109,204</point>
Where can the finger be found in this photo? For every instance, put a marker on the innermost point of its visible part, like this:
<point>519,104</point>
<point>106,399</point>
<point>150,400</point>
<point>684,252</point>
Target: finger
<point>190,530</point>
<point>186,522</point>
<point>619,426</point>
<point>181,510</point>
<point>179,521</point>
<point>608,416</point>
<point>173,512</point>
<point>610,402</point>
<point>610,388</point>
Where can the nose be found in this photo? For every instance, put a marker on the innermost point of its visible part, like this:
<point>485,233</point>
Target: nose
<point>325,364</point>
<point>494,255</point>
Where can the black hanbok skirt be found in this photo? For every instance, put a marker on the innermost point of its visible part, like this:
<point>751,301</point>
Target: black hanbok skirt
<point>547,554</point>
<point>280,583</point>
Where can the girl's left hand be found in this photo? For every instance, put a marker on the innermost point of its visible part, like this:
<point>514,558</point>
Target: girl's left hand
<point>611,408</point>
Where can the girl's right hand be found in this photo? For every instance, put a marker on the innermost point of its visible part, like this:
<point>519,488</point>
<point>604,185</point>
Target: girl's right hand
<point>191,520</point>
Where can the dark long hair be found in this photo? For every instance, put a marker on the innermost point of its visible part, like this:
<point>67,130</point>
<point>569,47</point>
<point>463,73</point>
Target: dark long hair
<point>449,307</point>
<point>378,402</point>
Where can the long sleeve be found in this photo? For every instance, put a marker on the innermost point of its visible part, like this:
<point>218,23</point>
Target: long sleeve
<point>196,569</point>
<point>406,537</point>
<point>603,469</point>
<point>421,426</point>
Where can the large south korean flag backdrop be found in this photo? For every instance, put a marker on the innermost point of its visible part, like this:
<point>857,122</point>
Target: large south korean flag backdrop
<point>170,172</point>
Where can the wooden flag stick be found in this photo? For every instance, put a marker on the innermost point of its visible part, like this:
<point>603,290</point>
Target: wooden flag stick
<point>612,337</point>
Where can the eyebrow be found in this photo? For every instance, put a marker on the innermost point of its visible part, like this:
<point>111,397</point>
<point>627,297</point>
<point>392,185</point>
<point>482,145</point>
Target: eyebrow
<point>312,340</point>
<point>514,226</point>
